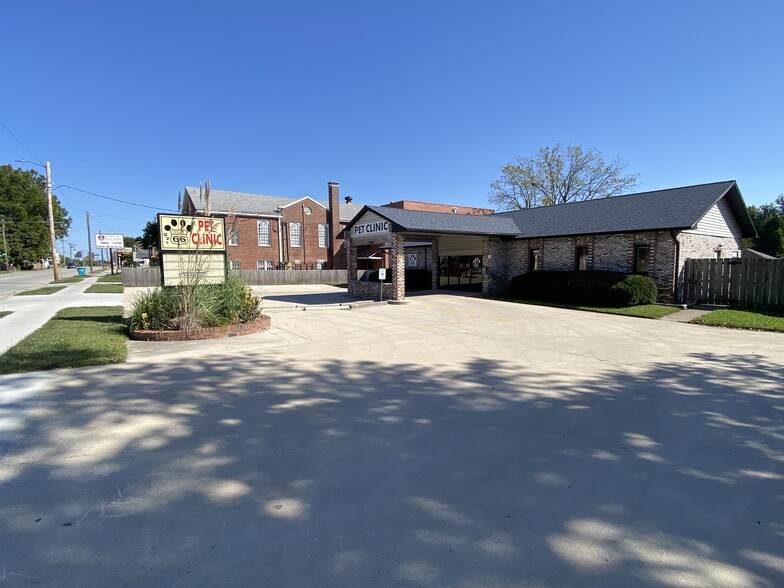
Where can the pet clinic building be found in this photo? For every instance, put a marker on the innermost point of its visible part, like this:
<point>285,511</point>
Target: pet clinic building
<point>650,233</point>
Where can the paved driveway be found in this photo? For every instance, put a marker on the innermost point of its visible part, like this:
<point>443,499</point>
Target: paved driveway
<point>451,442</point>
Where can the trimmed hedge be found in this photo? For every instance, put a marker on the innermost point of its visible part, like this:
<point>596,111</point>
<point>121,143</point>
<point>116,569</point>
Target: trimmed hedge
<point>582,287</point>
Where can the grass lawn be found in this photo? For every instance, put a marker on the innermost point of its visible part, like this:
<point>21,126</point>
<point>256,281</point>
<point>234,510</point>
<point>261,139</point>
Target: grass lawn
<point>40,291</point>
<point>4,313</point>
<point>71,280</point>
<point>651,311</point>
<point>116,278</point>
<point>75,337</point>
<point>744,319</point>
<point>104,289</point>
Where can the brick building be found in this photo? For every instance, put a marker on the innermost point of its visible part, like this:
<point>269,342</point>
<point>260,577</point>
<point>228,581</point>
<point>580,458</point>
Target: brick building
<point>650,233</point>
<point>273,232</point>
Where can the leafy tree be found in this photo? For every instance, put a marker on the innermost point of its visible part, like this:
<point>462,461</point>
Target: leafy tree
<point>559,175</point>
<point>768,219</point>
<point>149,236</point>
<point>130,242</point>
<point>23,203</point>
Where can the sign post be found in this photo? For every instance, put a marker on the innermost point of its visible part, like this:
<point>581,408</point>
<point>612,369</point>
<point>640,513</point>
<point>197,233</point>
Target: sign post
<point>382,275</point>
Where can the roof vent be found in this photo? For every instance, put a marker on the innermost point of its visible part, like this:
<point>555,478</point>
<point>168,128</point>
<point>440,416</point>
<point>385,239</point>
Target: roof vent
<point>349,199</point>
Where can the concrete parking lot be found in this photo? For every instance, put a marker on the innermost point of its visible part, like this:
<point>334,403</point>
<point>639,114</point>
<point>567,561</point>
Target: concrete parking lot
<point>454,441</point>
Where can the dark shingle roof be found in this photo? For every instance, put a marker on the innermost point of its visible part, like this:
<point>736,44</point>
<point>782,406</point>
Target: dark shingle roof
<point>258,204</point>
<point>676,208</point>
<point>444,222</point>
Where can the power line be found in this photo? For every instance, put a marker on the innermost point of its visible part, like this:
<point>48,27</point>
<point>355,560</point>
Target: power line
<point>10,132</point>
<point>115,199</point>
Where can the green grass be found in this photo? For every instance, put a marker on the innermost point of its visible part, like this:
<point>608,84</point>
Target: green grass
<point>75,337</point>
<point>758,320</point>
<point>71,280</point>
<point>104,289</point>
<point>650,311</point>
<point>116,278</point>
<point>4,313</point>
<point>40,291</point>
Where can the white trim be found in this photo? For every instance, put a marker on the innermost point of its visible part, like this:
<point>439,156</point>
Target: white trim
<point>304,198</point>
<point>258,233</point>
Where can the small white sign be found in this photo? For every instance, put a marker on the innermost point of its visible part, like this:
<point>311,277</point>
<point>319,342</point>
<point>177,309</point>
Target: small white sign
<point>108,241</point>
<point>382,274</point>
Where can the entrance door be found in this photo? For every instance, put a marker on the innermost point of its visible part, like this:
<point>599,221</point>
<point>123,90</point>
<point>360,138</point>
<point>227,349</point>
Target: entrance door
<point>460,272</point>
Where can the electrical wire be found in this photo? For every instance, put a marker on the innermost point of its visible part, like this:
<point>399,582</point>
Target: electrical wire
<point>10,132</point>
<point>116,199</point>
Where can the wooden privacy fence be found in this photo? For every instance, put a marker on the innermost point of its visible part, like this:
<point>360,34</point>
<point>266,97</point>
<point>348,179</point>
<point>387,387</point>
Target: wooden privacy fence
<point>749,283</point>
<point>151,276</point>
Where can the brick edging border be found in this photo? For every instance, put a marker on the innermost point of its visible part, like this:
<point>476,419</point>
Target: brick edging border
<point>235,330</point>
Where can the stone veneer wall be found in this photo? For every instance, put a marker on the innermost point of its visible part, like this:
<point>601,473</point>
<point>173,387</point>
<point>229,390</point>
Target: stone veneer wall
<point>370,290</point>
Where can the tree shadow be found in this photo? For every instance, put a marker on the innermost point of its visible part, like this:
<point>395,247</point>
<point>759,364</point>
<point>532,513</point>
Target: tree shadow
<point>357,473</point>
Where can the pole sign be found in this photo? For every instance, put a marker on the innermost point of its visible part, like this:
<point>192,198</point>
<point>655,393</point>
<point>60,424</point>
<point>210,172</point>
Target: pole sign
<point>191,233</point>
<point>192,249</point>
<point>108,241</point>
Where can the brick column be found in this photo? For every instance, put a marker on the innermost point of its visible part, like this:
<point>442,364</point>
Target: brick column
<point>351,265</point>
<point>397,258</point>
<point>434,268</point>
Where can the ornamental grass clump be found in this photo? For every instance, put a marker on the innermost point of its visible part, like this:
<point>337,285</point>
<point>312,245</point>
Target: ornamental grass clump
<point>195,306</point>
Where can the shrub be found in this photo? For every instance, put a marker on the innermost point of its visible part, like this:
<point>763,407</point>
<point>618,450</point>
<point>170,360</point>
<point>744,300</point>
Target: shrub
<point>418,279</point>
<point>633,291</point>
<point>195,306</point>
<point>580,287</point>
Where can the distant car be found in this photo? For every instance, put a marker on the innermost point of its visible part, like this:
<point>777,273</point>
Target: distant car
<point>28,265</point>
<point>71,266</point>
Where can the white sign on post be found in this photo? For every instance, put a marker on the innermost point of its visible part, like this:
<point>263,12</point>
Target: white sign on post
<point>108,241</point>
<point>382,274</point>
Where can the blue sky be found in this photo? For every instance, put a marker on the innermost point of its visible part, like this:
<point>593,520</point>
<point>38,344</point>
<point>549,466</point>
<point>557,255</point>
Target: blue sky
<point>418,100</point>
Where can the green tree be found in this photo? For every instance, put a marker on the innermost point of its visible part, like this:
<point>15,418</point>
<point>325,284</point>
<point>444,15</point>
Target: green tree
<point>149,237</point>
<point>130,242</point>
<point>23,204</point>
<point>559,175</point>
<point>768,219</point>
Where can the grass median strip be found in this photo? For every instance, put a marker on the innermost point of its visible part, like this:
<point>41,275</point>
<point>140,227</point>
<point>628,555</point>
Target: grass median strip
<point>71,280</point>
<point>759,320</point>
<point>104,289</point>
<point>40,291</point>
<point>116,278</point>
<point>650,311</point>
<point>75,337</point>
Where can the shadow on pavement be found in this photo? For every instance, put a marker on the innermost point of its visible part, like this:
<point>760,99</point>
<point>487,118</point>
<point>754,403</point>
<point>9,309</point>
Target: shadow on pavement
<point>249,472</point>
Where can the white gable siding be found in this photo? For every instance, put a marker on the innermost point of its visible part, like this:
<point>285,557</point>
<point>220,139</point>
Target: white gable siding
<point>366,238</point>
<point>718,222</point>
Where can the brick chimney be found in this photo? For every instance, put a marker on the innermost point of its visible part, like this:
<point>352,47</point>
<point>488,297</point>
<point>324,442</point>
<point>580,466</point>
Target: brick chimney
<point>333,191</point>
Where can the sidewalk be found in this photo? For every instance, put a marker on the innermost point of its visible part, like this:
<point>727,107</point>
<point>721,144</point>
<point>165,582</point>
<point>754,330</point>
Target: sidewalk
<point>29,313</point>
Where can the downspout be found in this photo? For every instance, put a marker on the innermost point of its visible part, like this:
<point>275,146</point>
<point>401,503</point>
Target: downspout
<point>677,238</point>
<point>280,242</point>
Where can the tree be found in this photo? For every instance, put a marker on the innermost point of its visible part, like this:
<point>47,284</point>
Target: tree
<point>130,242</point>
<point>559,175</point>
<point>149,236</point>
<point>768,219</point>
<point>23,203</point>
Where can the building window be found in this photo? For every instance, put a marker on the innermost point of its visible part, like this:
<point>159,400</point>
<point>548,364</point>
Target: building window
<point>295,232</point>
<point>234,238</point>
<point>264,233</point>
<point>322,234</point>
<point>581,258</point>
<point>535,262</point>
<point>234,265</point>
<point>265,265</point>
<point>642,259</point>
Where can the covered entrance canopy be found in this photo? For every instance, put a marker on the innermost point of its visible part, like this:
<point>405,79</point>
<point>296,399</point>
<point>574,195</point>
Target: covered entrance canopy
<point>452,247</point>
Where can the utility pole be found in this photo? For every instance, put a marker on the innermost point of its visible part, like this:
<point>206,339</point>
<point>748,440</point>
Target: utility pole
<point>52,238</point>
<point>55,267</point>
<point>89,242</point>
<point>5,249</point>
<point>62,243</point>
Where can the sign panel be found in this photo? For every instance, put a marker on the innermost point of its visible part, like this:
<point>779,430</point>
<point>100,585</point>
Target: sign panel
<point>191,233</point>
<point>376,227</point>
<point>382,274</point>
<point>108,241</point>
<point>193,268</point>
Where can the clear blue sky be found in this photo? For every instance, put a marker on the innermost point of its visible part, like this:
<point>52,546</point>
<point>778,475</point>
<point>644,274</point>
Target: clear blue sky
<point>418,100</point>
